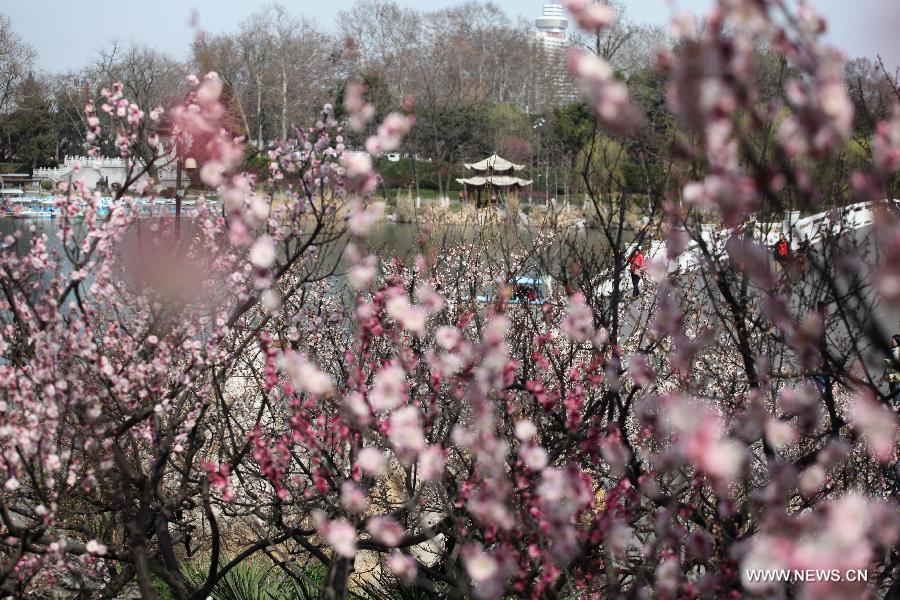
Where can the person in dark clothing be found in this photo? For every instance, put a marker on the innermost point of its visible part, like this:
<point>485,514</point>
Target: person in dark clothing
<point>782,252</point>
<point>637,265</point>
<point>892,371</point>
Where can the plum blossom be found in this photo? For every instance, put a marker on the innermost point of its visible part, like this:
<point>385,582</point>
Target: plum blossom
<point>525,430</point>
<point>607,97</point>
<point>591,16</point>
<point>429,299</point>
<point>403,566</point>
<point>389,388</point>
<point>886,143</point>
<point>639,370</point>
<point>262,254</point>
<point>812,479</point>
<point>535,457</point>
<point>448,337</point>
<point>359,172</point>
<point>479,565</point>
<point>339,533</point>
<point>271,301</point>
<point>431,463</point>
<point>353,498</point>
<point>780,433</point>
<point>877,424</point>
<point>385,530</point>
<point>408,316</point>
<point>96,548</point>
<point>702,440</point>
<point>362,217</point>
<point>372,462</point>
<point>304,375</point>
<point>360,111</point>
<point>405,431</point>
<point>361,274</point>
<point>842,535</point>
<point>823,112</point>
<point>390,134</point>
<point>579,321</point>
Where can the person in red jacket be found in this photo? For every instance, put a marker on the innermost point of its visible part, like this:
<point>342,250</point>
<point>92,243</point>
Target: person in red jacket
<point>637,265</point>
<point>782,252</point>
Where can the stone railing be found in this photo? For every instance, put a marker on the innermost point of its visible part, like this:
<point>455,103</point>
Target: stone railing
<point>88,162</point>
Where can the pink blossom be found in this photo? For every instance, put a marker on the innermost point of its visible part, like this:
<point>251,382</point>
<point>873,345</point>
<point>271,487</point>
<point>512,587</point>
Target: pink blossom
<point>639,370</point>
<point>877,424</point>
<point>447,337</point>
<point>360,111</point>
<point>578,323</point>
<point>780,433</point>
<point>535,457</point>
<point>480,566</point>
<point>429,299</point>
<point>702,441</point>
<point>812,480</point>
<point>608,98</point>
<point>390,134</point>
<point>210,90</point>
<point>340,534</point>
<point>271,301</point>
<point>403,566</point>
<point>353,498</point>
<point>304,375</point>
<point>525,430</point>
<point>409,317</point>
<point>356,405</point>
<point>372,462</point>
<point>262,254</point>
<point>389,387</point>
<point>886,143</point>
<point>406,431</point>
<point>431,463</point>
<point>96,548</point>
<point>212,173</point>
<point>362,217</point>
<point>359,172</point>
<point>385,530</point>
<point>592,16</point>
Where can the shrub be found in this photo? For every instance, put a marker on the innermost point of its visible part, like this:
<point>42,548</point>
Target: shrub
<point>513,205</point>
<point>405,212</point>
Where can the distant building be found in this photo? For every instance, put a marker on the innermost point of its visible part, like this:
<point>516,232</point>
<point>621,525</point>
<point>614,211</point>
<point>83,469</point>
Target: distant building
<point>552,32</point>
<point>552,27</point>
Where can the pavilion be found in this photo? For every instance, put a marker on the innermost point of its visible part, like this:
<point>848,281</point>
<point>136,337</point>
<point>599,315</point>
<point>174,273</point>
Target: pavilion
<point>493,173</point>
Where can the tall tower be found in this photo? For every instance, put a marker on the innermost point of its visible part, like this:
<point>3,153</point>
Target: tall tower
<point>552,26</point>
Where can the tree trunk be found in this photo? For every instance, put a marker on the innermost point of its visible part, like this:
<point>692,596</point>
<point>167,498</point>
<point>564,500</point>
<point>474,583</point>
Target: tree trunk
<point>415,172</point>
<point>284,95</point>
<point>259,125</point>
<point>337,579</point>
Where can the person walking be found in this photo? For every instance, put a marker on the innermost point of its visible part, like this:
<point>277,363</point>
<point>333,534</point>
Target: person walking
<point>892,371</point>
<point>637,265</point>
<point>782,253</point>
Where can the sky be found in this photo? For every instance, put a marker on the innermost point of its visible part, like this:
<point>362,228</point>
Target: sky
<point>67,34</point>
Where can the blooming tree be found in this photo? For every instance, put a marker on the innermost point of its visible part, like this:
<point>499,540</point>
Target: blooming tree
<point>175,406</point>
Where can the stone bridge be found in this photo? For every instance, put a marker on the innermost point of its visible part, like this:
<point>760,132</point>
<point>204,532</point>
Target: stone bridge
<point>94,170</point>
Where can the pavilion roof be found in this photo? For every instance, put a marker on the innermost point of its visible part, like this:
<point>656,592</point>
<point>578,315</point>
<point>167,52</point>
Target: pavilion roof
<point>494,163</point>
<point>495,180</point>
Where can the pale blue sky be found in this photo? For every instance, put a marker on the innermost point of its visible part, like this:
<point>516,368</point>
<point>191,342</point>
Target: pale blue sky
<point>67,33</point>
